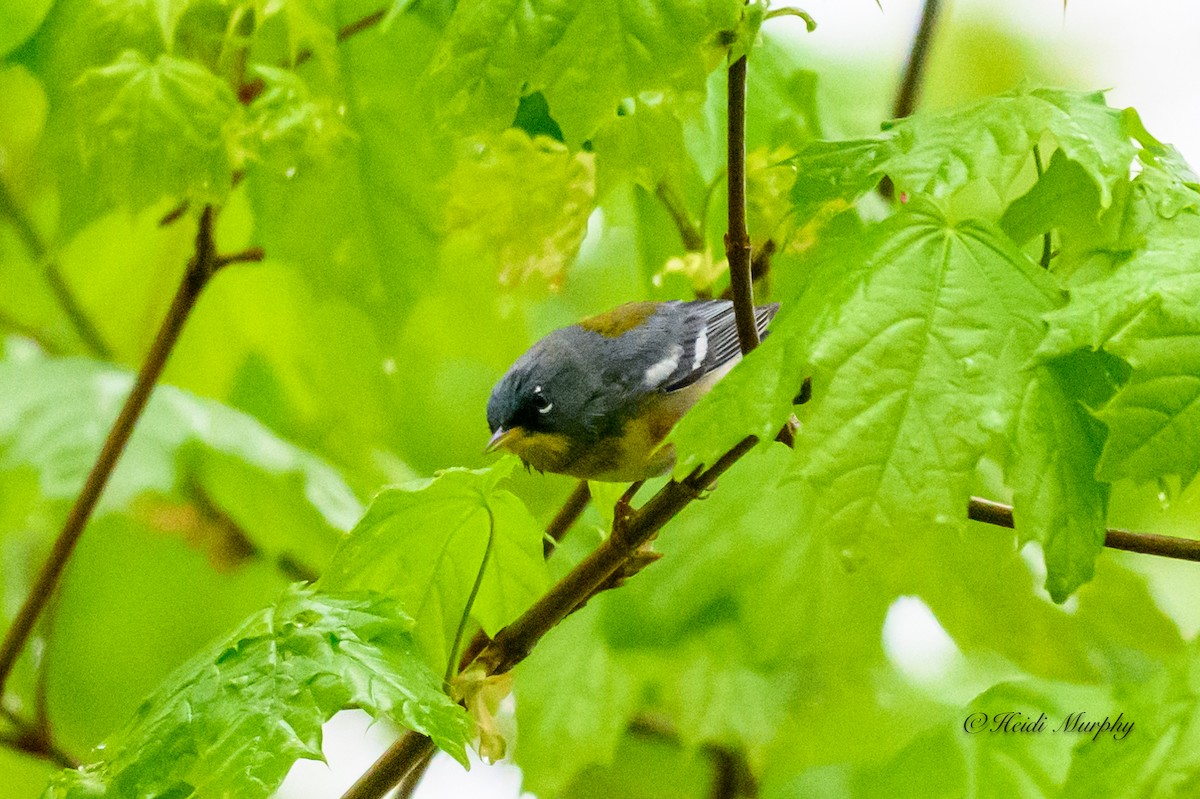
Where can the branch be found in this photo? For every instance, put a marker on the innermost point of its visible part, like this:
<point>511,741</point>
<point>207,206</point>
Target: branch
<point>914,72</point>
<point>66,299</point>
<point>558,527</point>
<point>566,517</point>
<point>200,269</point>
<point>1166,546</point>
<point>28,738</point>
<point>346,31</point>
<point>513,643</point>
<point>737,239</point>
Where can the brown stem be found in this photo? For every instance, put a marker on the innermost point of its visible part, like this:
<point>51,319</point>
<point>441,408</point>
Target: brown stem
<point>200,269</point>
<point>566,517</point>
<point>689,231</point>
<point>737,239</point>
<point>409,784</point>
<point>914,73</point>
<point>1166,546</point>
<point>28,738</point>
<point>392,766</point>
<point>512,644</point>
<point>346,31</point>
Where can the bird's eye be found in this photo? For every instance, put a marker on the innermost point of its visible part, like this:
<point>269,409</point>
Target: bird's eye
<point>540,402</point>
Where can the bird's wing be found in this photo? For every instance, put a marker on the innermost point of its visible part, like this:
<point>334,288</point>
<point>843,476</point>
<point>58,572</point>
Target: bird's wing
<point>710,338</point>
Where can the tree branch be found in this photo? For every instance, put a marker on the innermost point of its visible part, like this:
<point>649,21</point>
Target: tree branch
<point>914,70</point>
<point>203,265</point>
<point>28,738</point>
<point>1166,546</point>
<point>513,643</point>
<point>737,239</point>
<point>914,73</point>
<point>346,31</point>
<point>566,517</point>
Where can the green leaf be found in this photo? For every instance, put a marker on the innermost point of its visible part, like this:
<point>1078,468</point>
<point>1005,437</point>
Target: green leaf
<point>755,398</point>
<point>1064,196</point>
<point>836,172</point>
<point>1056,497</point>
<point>156,129</point>
<point>991,141</point>
<point>574,699</point>
<point>57,413</point>
<point>523,202</point>
<point>915,368</point>
<point>18,20</point>
<point>1154,420</point>
<point>288,126</point>
<point>1142,309</point>
<point>233,720</point>
<point>1158,756</point>
<point>983,750</point>
<point>584,57</point>
<point>425,546</point>
<point>644,143</point>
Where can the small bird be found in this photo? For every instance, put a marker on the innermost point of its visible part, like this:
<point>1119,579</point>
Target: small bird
<point>595,400</point>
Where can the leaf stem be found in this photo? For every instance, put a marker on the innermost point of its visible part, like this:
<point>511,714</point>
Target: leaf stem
<point>466,614</point>
<point>737,239</point>
<point>1165,546</point>
<point>203,265</point>
<point>689,231</point>
<point>347,31</point>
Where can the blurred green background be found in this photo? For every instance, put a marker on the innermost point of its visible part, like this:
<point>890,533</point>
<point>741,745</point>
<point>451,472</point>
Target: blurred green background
<point>409,261</point>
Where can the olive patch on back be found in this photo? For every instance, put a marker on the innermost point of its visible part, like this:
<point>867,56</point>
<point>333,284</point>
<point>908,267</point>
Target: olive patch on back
<point>620,320</point>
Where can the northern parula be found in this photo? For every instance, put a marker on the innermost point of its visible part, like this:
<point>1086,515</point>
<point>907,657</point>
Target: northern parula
<point>595,400</point>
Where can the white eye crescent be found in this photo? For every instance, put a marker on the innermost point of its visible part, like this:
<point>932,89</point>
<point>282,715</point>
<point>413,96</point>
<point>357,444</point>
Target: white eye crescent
<point>543,405</point>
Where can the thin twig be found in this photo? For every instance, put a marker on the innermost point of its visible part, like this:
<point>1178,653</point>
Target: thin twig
<point>566,517</point>
<point>556,530</point>
<point>26,737</point>
<point>394,765</point>
<point>914,74</point>
<point>689,231</point>
<point>1165,546</point>
<point>737,239</point>
<point>513,643</point>
<point>82,324</point>
<point>918,55</point>
<point>200,269</point>
<point>412,781</point>
<point>346,31</point>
